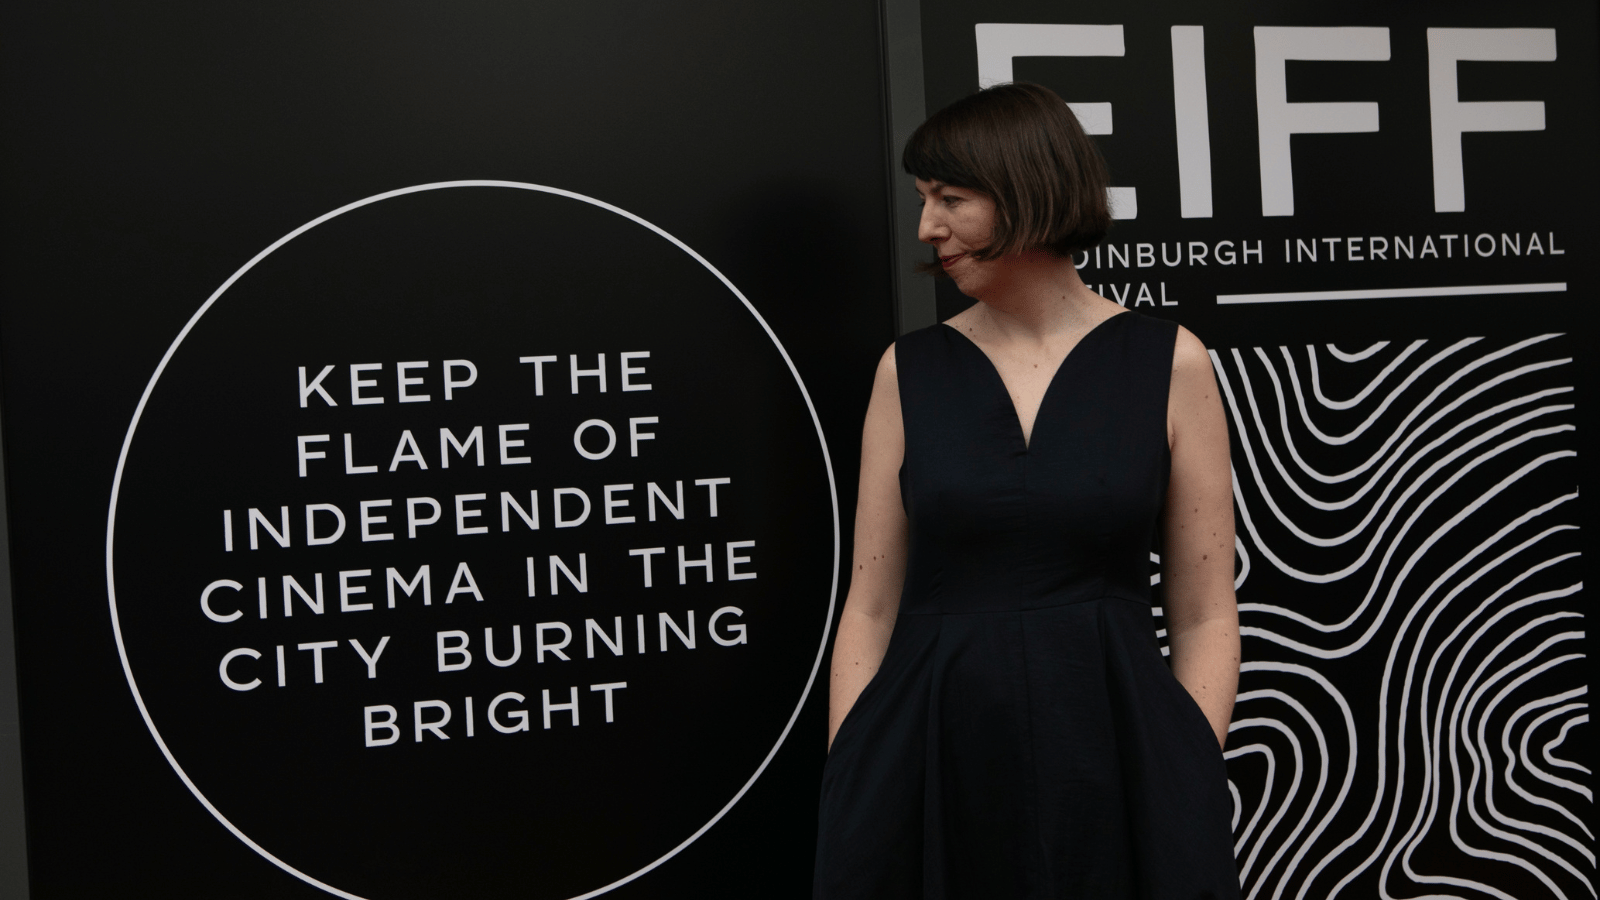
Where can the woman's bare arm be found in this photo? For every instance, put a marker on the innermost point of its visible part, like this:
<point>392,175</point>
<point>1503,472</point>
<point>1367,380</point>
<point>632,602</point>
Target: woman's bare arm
<point>1197,563</point>
<point>878,569</point>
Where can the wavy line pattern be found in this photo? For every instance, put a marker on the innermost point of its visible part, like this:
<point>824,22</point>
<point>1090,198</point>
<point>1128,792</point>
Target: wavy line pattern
<point>1415,687</point>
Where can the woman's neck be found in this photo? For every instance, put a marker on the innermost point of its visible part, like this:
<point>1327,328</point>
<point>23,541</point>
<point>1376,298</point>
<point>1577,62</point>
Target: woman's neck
<point>1038,295</point>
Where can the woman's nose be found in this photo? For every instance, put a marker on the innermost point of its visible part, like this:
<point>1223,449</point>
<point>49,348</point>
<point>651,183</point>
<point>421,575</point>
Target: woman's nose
<point>929,229</point>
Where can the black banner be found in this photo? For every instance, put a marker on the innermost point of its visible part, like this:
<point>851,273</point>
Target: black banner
<point>1376,220</point>
<point>430,436</point>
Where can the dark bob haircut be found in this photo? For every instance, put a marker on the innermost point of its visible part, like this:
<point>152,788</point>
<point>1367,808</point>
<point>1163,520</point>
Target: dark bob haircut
<point>1022,146</point>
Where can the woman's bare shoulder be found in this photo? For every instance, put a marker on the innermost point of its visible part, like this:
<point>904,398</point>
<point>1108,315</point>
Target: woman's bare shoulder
<point>886,361</point>
<point>885,385</point>
<point>881,433</point>
<point>887,369</point>
<point>1190,358</point>
<point>1194,406</point>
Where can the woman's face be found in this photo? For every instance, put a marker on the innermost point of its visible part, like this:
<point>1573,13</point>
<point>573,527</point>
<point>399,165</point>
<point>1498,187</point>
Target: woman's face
<point>957,221</point>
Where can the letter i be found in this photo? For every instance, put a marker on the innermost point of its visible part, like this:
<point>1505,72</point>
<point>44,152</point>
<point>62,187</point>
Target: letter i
<point>227,531</point>
<point>283,679</point>
<point>531,579</point>
<point>261,597</point>
<point>1192,120</point>
<point>641,633</point>
<point>469,717</point>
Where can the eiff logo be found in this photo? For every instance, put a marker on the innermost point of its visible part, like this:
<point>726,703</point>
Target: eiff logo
<point>999,43</point>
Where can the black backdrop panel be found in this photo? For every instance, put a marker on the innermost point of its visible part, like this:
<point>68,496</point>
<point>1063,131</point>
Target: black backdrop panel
<point>151,154</point>
<point>1401,349</point>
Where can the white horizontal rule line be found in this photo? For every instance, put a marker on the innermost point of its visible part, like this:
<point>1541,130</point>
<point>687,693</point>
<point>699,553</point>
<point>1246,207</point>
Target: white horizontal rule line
<point>1378,293</point>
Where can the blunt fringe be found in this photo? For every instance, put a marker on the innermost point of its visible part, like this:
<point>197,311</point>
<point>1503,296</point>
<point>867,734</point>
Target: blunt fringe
<point>1022,146</point>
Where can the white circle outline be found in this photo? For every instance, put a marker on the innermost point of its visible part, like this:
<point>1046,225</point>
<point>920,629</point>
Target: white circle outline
<point>122,458</point>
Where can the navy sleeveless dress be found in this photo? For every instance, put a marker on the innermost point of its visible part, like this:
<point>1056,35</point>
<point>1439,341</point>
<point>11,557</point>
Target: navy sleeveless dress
<point>1023,737</point>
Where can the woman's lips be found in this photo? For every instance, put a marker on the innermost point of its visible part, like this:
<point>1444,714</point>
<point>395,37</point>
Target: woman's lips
<point>948,261</point>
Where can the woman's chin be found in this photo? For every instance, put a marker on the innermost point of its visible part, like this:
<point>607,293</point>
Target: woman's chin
<point>966,280</point>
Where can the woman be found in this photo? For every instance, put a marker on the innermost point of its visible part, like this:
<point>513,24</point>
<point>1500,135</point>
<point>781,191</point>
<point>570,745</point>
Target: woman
<point>1002,724</point>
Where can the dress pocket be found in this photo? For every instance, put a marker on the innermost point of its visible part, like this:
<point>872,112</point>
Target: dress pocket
<point>1189,710</point>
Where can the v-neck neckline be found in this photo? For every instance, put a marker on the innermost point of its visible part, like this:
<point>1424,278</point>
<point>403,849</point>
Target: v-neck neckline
<point>1028,439</point>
